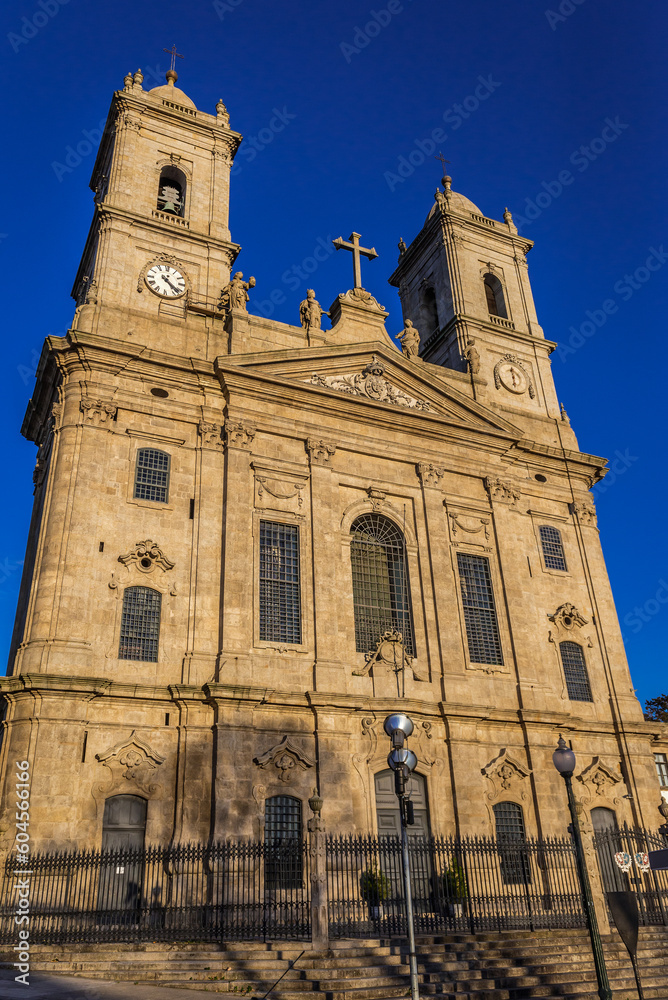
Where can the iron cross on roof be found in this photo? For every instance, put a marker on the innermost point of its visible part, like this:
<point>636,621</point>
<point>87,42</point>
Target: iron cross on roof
<point>174,54</point>
<point>357,252</point>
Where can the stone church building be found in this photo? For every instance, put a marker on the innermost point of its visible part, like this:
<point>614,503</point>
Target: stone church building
<point>252,540</point>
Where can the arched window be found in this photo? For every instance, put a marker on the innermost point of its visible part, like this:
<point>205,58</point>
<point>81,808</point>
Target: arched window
<point>283,868</point>
<point>575,671</point>
<point>152,475</point>
<point>124,822</point>
<point>429,311</point>
<point>172,191</point>
<point>140,624</point>
<point>553,549</point>
<point>496,304</point>
<point>511,836</point>
<point>381,597</point>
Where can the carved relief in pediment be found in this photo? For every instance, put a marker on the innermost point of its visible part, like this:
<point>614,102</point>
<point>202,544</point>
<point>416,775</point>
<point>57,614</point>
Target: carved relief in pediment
<point>287,757</point>
<point>506,776</point>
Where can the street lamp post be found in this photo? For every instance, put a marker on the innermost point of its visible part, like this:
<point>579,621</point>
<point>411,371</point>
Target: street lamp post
<point>403,761</point>
<point>564,761</point>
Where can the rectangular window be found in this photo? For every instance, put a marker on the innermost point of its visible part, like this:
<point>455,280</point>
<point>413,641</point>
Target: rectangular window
<point>140,624</point>
<point>482,630</point>
<point>280,598</point>
<point>575,671</point>
<point>662,768</point>
<point>152,475</point>
<point>553,549</point>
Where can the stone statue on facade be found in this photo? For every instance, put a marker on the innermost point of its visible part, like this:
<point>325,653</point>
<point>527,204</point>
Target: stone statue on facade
<point>311,312</point>
<point>235,293</point>
<point>473,357</point>
<point>410,340</point>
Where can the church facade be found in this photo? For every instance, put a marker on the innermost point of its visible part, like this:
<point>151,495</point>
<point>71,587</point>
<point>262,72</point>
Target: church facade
<point>253,540</point>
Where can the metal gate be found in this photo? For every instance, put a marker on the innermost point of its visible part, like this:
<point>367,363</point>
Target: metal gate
<point>623,865</point>
<point>232,891</point>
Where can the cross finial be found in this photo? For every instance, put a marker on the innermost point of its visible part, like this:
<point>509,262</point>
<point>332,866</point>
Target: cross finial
<point>443,161</point>
<point>357,252</point>
<point>174,54</point>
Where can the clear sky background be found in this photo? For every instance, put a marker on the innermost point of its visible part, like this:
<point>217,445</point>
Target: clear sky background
<point>356,103</point>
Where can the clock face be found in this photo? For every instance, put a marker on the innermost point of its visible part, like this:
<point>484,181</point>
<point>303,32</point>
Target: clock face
<point>512,377</point>
<point>163,279</point>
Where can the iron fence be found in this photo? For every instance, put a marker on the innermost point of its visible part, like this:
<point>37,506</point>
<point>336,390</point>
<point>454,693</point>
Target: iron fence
<point>232,891</point>
<point>459,883</point>
<point>650,887</point>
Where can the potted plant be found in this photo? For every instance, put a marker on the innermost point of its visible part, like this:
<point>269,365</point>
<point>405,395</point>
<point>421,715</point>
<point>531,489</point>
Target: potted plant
<point>454,889</point>
<point>375,888</point>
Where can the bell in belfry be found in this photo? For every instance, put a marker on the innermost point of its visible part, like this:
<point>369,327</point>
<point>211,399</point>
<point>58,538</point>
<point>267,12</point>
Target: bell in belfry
<point>170,199</point>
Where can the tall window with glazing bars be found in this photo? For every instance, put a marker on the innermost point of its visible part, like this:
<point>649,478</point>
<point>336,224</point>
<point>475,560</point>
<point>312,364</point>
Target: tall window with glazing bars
<point>152,475</point>
<point>280,597</point>
<point>575,671</point>
<point>553,548</point>
<point>482,628</point>
<point>140,624</point>
<point>381,596</point>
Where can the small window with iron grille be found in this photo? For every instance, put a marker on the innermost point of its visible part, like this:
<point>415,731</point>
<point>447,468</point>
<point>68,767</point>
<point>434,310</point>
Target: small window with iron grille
<point>381,596</point>
<point>482,629</point>
<point>140,624</point>
<point>553,549</point>
<point>662,768</point>
<point>283,866</point>
<point>152,475</point>
<point>280,597</point>
<point>511,838</point>
<point>575,671</point>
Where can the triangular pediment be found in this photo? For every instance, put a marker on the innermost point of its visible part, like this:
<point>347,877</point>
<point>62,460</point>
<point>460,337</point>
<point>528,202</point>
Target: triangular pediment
<point>369,374</point>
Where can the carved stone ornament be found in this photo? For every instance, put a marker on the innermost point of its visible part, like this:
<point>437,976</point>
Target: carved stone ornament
<point>211,434</point>
<point>163,258</point>
<point>430,475</point>
<point>96,411</point>
<point>285,757</point>
<point>501,490</point>
<point>146,556</point>
<point>320,452</point>
<point>599,779</point>
<point>371,384</point>
<point>390,652</point>
<point>377,497</point>
<point>132,760</point>
<point>585,511</point>
<point>282,490</point>
<point>568,623</point>
<point>510,373</point>
<point>240,434</point>
<point>506,774</point>
<point>360,297</point>
<point>479,524</point>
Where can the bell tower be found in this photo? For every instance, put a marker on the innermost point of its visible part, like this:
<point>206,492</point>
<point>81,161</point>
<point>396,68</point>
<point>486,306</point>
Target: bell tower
<point>159,248</point>
<point>464,283</point>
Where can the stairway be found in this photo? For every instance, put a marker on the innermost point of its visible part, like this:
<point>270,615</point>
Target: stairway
<point>510,965</point>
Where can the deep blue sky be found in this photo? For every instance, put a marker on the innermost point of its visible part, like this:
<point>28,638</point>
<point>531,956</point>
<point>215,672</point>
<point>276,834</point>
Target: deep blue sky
<point>355,114</point>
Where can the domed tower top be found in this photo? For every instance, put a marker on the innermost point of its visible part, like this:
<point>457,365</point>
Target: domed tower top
<point>463,282</point>
<point>169,92</point>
